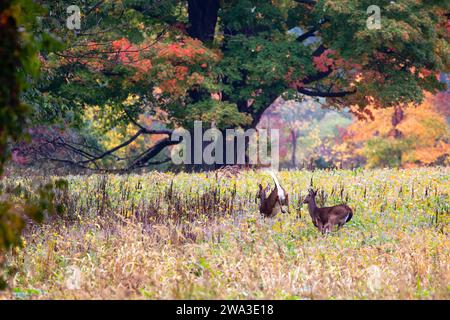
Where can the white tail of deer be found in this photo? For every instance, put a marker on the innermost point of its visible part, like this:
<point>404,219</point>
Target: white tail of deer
<point>270,205</point>
<point>281,192</point>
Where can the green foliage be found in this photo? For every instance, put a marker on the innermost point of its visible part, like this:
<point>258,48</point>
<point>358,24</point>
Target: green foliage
<point>384,152</point>
<point>223,114</point>
<point>20,43</point>
<point>256,67</point>
<point>19,63</point>
<point>413,37</point>
<point>25,204</point>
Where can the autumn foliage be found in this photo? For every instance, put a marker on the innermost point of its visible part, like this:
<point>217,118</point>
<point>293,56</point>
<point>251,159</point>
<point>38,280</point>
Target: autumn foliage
<point>420,137</point>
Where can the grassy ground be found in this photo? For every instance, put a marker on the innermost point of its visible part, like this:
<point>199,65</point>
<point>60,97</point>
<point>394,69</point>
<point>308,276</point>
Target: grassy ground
<point>161,236</point>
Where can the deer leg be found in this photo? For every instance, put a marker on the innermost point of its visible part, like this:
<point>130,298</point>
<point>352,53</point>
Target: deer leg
<point>319,225</point>
<point>315,223</point>
<point>327,228</point>
<point>281,206</point>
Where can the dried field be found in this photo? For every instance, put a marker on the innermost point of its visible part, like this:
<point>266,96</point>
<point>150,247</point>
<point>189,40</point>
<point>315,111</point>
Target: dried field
<point>198,236</point>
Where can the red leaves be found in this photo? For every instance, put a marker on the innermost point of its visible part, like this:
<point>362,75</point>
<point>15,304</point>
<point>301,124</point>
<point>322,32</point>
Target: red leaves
<point>124,50</point>
<point>183,64</point>
<point>322,63</point>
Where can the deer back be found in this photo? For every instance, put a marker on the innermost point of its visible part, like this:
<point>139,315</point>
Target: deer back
<point>340,214</point>
<point>269,204</point>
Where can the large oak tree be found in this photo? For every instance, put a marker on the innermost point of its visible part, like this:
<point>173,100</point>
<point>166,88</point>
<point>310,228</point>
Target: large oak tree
<point>227,61</point>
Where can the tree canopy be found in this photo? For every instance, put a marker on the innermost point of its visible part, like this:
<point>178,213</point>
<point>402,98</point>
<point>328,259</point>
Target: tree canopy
<point>226,62</point>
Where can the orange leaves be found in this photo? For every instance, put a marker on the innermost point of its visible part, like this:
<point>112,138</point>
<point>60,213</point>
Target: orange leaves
<point>188,50</point>
<point>178,83</point>
<point>169,86</point>
<point>121,44</point>
<point>130,54</point>
<point>424,130</point>
<point>196,78</point>
<point>181,72</point>
<point>105,56</point>
<point>428,155</point>
<point>171,65</point>
<point>125,51</point>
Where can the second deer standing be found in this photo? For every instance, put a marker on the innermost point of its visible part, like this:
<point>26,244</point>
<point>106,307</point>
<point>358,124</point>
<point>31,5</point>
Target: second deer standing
<point>327,217</point>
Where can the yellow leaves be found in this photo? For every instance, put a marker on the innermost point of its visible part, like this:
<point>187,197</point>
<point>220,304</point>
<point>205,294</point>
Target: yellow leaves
<point>425,133</point>
<point>131,100</point>
<point>102,120</point>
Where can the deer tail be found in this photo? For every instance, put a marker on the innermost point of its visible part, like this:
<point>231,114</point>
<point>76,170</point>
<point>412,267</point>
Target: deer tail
<point>281,194</point>
<point>349,215</point>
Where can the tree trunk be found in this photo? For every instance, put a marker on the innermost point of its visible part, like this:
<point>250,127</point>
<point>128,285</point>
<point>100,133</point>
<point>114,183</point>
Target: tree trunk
<point>397,117</point>
<point>203,19</point>
<point>294,147</point>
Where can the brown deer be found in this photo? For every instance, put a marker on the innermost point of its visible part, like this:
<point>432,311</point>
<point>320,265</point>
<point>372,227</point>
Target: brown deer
<point>271,205</point>
<point>326,218</point>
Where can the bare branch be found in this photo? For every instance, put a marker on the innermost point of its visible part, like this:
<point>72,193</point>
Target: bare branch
<point>120,146</point>
<point>152,152</point>
<point>310,32</point>
<point>318,76</point>
<point>308,2</point>
<point>316,93</point>
<point>98,4</point>
<point>144,129</point>
<point>307,34</point>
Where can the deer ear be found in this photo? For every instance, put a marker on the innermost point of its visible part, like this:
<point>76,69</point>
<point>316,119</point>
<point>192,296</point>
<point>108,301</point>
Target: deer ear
<point>260,186</point>
<point>315,192</point>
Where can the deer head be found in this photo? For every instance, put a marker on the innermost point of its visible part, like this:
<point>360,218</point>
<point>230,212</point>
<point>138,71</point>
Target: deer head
<point>310,196</point>
<point>262,193</point>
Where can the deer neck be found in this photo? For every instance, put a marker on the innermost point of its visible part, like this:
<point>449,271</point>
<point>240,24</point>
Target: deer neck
<point>312,207</point>
<point>271,200</point>
<point>262,201</point>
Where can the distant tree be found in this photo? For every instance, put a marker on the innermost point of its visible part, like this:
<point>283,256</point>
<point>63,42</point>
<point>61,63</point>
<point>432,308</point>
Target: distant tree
<point>421,136</point>
<point>299,118</point>
<point>307,127</point>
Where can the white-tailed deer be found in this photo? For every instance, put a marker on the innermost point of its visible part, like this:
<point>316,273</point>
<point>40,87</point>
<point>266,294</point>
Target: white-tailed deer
<point>272,204</point>
<point>326,218</point>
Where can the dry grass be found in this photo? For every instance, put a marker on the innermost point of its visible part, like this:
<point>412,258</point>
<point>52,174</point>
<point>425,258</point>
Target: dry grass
<point>140,237</point>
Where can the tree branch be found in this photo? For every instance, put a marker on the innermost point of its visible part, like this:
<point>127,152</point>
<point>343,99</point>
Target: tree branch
<point>308,2</point>
<point>307,34</point>
<point>120,146</point>
<point>316,93</point>
<point>144,129</point>
<point>310,32</point>
<point>318,76</point>
<point>152,152</point>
